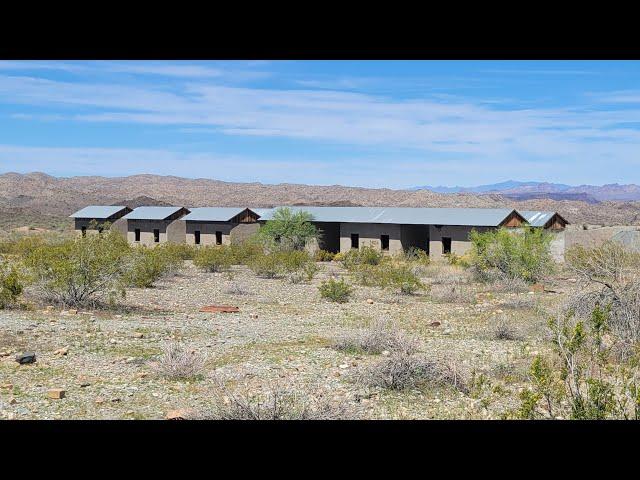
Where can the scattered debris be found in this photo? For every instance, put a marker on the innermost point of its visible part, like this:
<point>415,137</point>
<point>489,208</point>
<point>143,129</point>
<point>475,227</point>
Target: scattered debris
<point>26,358</point>
<point>435,324</point>
<point>219,309</point>
<point>56,393</point>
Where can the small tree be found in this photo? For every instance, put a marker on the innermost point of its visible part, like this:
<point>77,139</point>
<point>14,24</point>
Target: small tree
<point>10,284</point>
<point>290,230</point>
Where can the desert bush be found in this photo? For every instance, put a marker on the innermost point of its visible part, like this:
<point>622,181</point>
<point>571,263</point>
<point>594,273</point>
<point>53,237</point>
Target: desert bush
<point>177,362</point>
<point>338,257</point>
<point>335,290</point>
<point>288,229</point>
<point>214,258</point>
<point>298,265</point>
<point>362,256</point>
<point>11,285</point>
<point>451,293</point>
<point>378,337</point>
<point>323,256</point>
<point>415,254</point>
<point>180,251</point>
<point>524,254</point>
<point>611,278</point>
<point>74,272</point>
<point>582,382</point>
<point>402,278</point>
<point>236,289</point>
<point>503,329</point>
<point>458,260</point>
<point>145,266</point>
<point>400,371</point>
<point>265,265</point>
<point>443,274</point>
<point>303,274</point>
<point>243,252</point>
<point>276,404</point>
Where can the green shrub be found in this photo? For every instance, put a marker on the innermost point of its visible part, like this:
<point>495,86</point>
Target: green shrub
<point>323,256</point>
<point>74,272</point>
<point>362,256</point>
<point>401,277</point>
<point>265,265</point>
<point>415,254</point>
<point>145,266</point>
<point>180,251</point>
<point>297,263</point>
<point>335,290</point>
<point>289,229</point>
<point>214,259</point>
<point>10,285</point>
<point>523,254</point>
<point>242,253</point>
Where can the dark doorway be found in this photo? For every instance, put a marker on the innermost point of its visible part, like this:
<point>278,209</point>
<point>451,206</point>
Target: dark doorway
<point>218,238</point>
<point>137,234</point>
<point>355,240</point>
<point>384,242</point>
<point>84,231</point>
<point>196,236</point>
<point>446,245</point>
<point>156,236</point>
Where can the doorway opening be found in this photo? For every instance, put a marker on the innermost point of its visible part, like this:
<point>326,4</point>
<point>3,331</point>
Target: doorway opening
<point>446,245</point>
<point>355,240</point>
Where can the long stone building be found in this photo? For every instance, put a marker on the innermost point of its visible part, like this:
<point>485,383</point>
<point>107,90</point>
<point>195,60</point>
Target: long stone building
<point>93,219</point>
<point>438,231</point>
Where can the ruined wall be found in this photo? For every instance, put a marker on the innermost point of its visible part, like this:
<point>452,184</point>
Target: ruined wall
<point>231,232</point>
<point>370,235</point>
<point>460,243</point>
<point>119,225</point>
<point>146,231</point>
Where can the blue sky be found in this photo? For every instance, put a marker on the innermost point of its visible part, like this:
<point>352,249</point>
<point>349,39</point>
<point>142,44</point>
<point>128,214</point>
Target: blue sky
<point>365,123</point>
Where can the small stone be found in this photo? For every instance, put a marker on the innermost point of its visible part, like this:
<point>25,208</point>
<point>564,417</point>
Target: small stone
<point>116,400</point>
<point>72,312</point>
<point>61,351</point>
<point>118,316</point>
<point>343,366</point>
<point>447,332</point>
<point>113,340</point>
<point>84,384</point>
<point>5,354</point>
<point>99,400</point>
<point>56,393</point>
<point>178,415</point>
<point>369,301</point>
<point>7,386</point>
<point>26,358</point>
<point>253,315</point>
<point>386,353</point>
<point>435,324</point>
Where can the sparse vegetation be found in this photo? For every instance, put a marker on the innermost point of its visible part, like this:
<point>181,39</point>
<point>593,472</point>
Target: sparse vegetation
<point>503,329</point>
<point>10,284</point>
<point>323,256</point>
<point>145,266</point>
<point>401,371</point>
<point>378,337</point>
<point>335,290</point>
<point>177,362</point>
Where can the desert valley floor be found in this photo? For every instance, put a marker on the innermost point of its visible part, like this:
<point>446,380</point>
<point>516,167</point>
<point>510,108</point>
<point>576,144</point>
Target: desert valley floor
<point>281,337</point>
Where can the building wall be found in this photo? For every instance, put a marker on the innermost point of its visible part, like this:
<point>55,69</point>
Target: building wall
<point>557,245</point>
<point>119,225</point>
<point>370,235</point>
<point>460,243</point>
<point>231,232</point>
<point>415,236</point>
<point>170,230</point>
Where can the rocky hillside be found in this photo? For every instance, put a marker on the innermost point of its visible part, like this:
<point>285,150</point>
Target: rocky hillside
<point>38,193</point>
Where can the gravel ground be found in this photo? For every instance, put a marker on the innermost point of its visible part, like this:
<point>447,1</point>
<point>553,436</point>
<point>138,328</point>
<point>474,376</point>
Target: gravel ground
<point>280,338</point>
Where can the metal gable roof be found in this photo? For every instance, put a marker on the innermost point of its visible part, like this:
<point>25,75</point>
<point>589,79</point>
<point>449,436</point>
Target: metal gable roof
<point>97,211</point>
<point>536,218</point>
<point>480,217</point>
<point>213,214</point>
<point>152,213</point>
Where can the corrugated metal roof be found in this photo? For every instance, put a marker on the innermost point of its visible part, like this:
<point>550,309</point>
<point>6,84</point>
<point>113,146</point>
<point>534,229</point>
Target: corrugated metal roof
<point>536,218</point>
<point>151,213</point>
<point>97,211</point>
<point>480,217</point>
<point>213,214</point>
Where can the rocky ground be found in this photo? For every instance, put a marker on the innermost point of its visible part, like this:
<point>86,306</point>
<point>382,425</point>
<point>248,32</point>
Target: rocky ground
<point>281,338</point>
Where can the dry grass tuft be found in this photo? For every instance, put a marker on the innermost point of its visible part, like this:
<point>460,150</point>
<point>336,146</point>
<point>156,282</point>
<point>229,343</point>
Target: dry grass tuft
<point>378,337</point>
<point>178,363</point>
<point>402,371</point>
<point>452,293</point>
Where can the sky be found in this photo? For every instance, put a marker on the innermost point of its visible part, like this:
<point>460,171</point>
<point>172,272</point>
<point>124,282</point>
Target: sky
<point>394,124</point>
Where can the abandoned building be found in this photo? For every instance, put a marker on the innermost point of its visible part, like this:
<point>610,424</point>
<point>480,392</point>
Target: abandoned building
<point>154,225</point>
<point>438,231</point>
<point>220,225</point>
<point>94,218</point>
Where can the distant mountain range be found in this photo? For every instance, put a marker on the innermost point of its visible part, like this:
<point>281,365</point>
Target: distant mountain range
<point>26,197</point>
<point>556,191</point>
